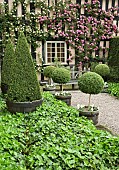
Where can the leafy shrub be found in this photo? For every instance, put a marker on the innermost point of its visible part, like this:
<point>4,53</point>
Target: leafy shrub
<point>102,69</point>
<point>55,137</point>
<point>48,71</point>
<point>61,75</point>
<point>24,85</point>
<point>113,89</point>
<point>91,83</point>
<point>113,56</point>
<point>7,67</point>
<point>114,74</point>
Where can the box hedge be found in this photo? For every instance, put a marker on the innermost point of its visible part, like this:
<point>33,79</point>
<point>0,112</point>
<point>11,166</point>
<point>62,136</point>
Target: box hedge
<point>113,59</point>
<point>24,85</point>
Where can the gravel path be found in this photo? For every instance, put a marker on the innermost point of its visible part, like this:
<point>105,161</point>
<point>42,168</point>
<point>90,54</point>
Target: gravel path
<point>108,108</point>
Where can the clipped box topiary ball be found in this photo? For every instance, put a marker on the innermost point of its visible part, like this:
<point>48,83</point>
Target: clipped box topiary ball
<point>48,71</point>
<point>102,69</point>
<point>61,75</point>
<point>91,83</point>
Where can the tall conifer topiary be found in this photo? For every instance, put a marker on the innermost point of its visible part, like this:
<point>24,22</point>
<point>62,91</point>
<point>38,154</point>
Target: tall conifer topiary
<point>24,85</point>
<point>7,67</point>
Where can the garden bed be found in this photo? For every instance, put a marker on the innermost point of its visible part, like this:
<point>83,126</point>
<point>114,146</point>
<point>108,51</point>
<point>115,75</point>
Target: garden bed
<point>54,137</point>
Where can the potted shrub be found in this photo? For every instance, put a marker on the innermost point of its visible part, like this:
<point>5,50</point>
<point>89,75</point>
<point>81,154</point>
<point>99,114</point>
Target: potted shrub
<point>7,66</point>
<point>103,70</point>
<point>62,76</point>
<point>48,73</point>
<point>23,94</point>
<point>90,83</point>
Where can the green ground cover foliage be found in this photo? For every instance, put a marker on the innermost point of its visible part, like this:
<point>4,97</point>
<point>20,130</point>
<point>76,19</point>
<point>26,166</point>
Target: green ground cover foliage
<point>113,89</point>
<point>54,138</point>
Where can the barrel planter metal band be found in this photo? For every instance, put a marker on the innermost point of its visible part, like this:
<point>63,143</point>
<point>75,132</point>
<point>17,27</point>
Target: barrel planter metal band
<point>51,90</point>
<point>66,99</point>
<point>91,115</point>
<point>23,107</point>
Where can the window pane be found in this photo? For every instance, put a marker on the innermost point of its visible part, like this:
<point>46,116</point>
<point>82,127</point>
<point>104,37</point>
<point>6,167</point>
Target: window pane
<point>62,44</point>
<point>49,55</point>
<point>49,50</point>
<point>49,45</point>
<point>62,55</point>
<point>58,44</point>
<point>62,59</point>
<point>53,44</point>
<point>58,55</point>
<point>55,49</point>
<point>62,49</point>
<point>49,60</point>
<point>53,54</point>
<point>58,49</point>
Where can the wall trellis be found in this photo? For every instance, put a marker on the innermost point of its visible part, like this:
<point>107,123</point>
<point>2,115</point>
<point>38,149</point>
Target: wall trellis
<point>25,13</point>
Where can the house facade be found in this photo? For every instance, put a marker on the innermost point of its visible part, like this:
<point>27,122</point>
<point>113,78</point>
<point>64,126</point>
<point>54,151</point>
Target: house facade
<point>48,49</point>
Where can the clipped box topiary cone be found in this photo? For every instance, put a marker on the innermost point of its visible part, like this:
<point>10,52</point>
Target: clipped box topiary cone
<point>90,83</point>
<point>24,92</point>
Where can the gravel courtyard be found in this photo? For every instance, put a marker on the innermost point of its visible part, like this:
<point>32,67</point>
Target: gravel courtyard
<point>108,108</point>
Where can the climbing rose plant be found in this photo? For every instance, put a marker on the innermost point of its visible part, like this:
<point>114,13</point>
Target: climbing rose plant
<point>81,32</point>
<point>81,26</point>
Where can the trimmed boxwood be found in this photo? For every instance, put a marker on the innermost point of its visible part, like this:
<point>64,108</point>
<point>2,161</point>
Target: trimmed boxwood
<point>7,66</point>
<point>102,69</point>
<point>113,57</point>
<point>24,85</point>
<point>91,83</point>
<point>61,75</point>
<point>48,71</point>
<point>114,74</point>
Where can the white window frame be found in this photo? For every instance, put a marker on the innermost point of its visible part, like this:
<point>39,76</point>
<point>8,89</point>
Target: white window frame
<point>65,51</point>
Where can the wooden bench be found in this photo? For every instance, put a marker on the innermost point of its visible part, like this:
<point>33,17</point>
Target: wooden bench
<point>71,82</point>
